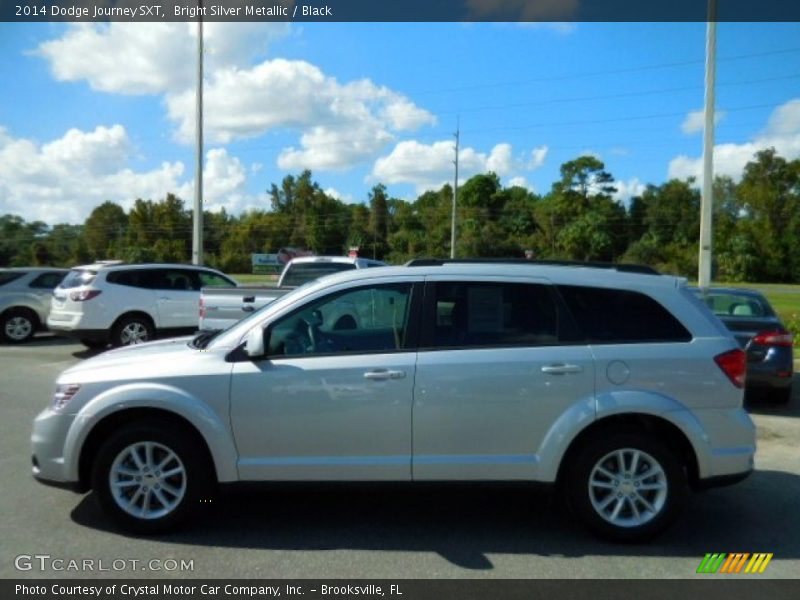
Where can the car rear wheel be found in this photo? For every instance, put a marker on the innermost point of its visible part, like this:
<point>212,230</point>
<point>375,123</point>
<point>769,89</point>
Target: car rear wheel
<point>149,477</point>
<point>132,329</point>
<point>18,325</point>
<point>625,486</point>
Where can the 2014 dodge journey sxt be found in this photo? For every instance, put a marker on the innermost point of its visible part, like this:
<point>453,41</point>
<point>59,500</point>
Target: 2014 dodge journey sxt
<point>620,387</point>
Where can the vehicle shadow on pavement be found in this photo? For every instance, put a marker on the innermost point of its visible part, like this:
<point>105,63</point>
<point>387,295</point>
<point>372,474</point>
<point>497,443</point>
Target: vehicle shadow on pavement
<point>762,406</point>
<point>466,524</point>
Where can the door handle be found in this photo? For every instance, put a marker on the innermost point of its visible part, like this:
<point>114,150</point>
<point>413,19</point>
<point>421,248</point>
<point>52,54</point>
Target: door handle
<point>248,308</point>
<point>165,297</point>
<point>561,369</point>
<point>384,374</point>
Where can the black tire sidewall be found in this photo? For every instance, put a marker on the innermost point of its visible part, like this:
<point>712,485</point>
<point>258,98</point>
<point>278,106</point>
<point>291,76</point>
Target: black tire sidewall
<point>198,475</point>
<point>117,332</point>
<point>577,482</point>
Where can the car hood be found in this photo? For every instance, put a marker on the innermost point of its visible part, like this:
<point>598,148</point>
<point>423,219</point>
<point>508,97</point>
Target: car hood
<point>147,357</point>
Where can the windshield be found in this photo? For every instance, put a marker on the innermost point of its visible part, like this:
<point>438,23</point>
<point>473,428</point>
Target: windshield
<point>77,278</point>
<point>300,273</point>
<point>733,304</point>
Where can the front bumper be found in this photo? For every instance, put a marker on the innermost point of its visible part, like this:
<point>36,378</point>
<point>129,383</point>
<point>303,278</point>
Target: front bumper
<point>48,441</point>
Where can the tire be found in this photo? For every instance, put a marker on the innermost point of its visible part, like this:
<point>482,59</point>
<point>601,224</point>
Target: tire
<point>160,500</point>
<point>132,329</point>
<point>620,508</point>
<point>18,325</point>
<point>94,344</point>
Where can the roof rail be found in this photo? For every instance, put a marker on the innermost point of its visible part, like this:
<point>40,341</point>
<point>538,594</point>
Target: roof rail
<point>622,267</point>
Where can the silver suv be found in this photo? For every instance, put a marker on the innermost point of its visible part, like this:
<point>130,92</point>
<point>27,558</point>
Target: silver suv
<point>621,388</point>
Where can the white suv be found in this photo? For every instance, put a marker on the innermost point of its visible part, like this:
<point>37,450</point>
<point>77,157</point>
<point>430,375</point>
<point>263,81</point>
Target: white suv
<point>622,388</point>
<point>128,304</point>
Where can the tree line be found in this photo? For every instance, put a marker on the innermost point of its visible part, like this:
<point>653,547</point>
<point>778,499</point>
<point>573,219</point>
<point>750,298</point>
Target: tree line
<point>756,224</point>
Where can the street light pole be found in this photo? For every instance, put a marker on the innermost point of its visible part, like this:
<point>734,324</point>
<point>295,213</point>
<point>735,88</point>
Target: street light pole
<point>707,200</point>
<point>197,222</point>
<point>455,200</point>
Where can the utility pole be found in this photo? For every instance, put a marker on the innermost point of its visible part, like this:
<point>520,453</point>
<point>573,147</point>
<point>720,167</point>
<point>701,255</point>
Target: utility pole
<point>707,202</point>
<point>455,195</point>
<point>197,224</point>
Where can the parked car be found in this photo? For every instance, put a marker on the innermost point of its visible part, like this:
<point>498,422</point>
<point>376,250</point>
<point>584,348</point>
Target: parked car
<point>221,307</point>
<point>767,342</point>
<point>122,304</point>
<point>621,388</point>
<point>25,300</point>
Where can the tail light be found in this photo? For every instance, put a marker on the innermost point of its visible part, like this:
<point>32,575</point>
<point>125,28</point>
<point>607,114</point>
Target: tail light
<point>779,337</point>
<point>83,295</point>
<point>202,310</point>
<point>734,365</point>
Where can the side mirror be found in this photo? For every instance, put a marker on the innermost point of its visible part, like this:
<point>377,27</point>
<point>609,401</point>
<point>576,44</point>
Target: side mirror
<point>254,343</point>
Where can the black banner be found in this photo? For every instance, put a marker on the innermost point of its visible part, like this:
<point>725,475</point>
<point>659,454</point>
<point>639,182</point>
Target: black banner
<point>396,10</point>
<point>716,588</point>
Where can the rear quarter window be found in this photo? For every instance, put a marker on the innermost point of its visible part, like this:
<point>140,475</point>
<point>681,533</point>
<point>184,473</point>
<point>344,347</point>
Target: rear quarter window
<point>609,316</point>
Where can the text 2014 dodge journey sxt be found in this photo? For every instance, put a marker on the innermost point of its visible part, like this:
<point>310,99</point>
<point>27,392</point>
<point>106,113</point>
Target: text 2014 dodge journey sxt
<point>622,388</point>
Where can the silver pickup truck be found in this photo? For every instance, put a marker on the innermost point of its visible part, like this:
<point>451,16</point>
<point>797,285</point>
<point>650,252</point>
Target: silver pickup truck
<point>221,307</point>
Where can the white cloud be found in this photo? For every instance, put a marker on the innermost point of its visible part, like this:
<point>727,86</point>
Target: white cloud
<point>63,180</point>
<point>342,124</point>
<point>538,156</point>
<point>429,166</point>
<point>782,132</point>
<point>520,182</point>
<point>627,189</point>
<point>151,58</point>
<point>339,124</point>
<point>336,194</point>
<point>695,121</point>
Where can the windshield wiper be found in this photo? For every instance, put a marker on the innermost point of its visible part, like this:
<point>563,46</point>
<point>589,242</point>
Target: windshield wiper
<point>202,339</point>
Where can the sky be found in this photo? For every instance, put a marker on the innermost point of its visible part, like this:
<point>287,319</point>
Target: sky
<point>96,112</point>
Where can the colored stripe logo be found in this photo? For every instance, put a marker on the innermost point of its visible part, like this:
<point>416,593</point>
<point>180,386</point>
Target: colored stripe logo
<point>737,562</point>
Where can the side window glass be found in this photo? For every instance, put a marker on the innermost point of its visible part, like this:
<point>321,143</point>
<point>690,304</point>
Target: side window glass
<point>369,319</point>
<point>178,280</point>
<point>621,317</point>
<point>47,281</point>
<point>473,314</point>
<point>208,279</point>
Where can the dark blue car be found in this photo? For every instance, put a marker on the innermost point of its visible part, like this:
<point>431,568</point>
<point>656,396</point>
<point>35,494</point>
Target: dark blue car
<point>749,316</point>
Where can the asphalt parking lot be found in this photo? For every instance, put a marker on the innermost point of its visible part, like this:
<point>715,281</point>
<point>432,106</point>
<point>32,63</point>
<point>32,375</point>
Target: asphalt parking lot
<point>380,532</point>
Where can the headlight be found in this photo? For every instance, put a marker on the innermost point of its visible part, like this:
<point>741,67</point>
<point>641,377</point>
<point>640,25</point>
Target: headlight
<point>64,393</point>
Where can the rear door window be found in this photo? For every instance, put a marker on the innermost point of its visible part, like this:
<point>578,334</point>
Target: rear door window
<point>609,316</point>
<point>139,278</point>
<point>9,276</point>
<point>47,281</point>
<point>478,314</point>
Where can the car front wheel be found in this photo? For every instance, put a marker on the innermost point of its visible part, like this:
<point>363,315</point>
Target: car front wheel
<point>626,487</point>
<point>149,478</point>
